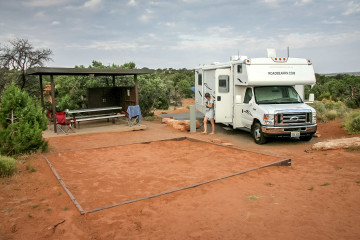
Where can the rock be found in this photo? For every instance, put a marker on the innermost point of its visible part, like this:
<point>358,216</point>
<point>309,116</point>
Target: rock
<point>177,125</point>
<point>338,144</point>
<point>187,124</point>
<point>166,119</point>
<point>171,122</point>
<point>180,127</point>
<point>227,144</point>
<point>181,123</point>
<point>14,228</point>
<point>216,140</point>
<point>317,135</point>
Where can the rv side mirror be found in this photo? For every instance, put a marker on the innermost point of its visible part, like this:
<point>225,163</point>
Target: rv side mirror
<point>238,99</point>
<point>251,102</point>
<point>311,97</point>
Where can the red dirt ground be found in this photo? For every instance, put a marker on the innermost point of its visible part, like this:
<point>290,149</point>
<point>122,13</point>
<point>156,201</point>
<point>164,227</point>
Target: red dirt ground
<point>317,198</point>
<point>107,176</point>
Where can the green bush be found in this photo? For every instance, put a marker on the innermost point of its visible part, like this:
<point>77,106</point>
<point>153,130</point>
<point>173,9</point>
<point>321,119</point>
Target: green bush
<point>352,122</point>
<point>152,94</point>
<point>341,87</point>
<point>7,166</point>
<point>331,115</point>
<point>22,122</point>
<point>328,111</point>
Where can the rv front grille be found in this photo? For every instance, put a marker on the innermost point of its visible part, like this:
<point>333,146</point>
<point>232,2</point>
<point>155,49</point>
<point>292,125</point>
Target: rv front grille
<point>293,118</point>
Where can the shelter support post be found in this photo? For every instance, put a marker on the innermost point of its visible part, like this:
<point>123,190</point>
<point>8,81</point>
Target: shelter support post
<point>136,90</point>
<point>42,93</point>
<point>192,119</point>
<point>113,80</point>
<point>53,101</point>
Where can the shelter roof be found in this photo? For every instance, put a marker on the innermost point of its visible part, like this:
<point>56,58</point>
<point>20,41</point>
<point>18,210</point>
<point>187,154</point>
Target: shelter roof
<point>87,71</point>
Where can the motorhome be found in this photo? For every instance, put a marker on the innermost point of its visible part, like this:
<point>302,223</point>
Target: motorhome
<point>264,96</point>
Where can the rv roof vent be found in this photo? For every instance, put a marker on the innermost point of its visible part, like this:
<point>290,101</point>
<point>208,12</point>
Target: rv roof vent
<point>271,52</point>
<point>234,58</point>
<point>214,63</point>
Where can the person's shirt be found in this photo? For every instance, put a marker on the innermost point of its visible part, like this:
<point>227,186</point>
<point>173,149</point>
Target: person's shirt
<point>209,102</point>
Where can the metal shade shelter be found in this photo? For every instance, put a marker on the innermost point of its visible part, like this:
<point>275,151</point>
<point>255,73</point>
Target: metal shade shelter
<point>93,72</point>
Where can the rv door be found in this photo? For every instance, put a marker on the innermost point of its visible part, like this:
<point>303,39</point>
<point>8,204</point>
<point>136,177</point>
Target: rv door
<point>224,96</point>
<point>247,110</point>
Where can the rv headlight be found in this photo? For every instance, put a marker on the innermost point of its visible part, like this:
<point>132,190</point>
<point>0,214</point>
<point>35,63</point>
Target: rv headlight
<point>269,119</point>
<point>313,120</point>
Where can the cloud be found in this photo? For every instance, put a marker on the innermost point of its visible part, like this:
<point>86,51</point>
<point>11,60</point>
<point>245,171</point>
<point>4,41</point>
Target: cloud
<point>352,8</point>
<point>213,42</point>
<point>319,39</point>
<point>42,3</point>
<point>170,24</point>
<point>40,14</point>
<point>55,23</point>
<point>132,3</point>
<point>7,37</point>
<point>146,16</point>
<point>92,3</point>
<point>332,21</point>
<point>272,1</point>
<point>302,2</point>
<point>110,45</point>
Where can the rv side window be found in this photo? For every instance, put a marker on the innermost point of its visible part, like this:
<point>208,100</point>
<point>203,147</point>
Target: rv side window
<point>223,83</point>
<point>248,95</point>
<point>199,79</point>
<point>239,68</point>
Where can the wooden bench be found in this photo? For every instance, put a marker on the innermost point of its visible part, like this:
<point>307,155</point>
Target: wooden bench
<point>95,117</point>
<point>110,115</point>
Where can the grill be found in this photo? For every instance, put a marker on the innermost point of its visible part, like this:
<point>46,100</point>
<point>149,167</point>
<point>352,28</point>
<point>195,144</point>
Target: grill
<point>295,118</point>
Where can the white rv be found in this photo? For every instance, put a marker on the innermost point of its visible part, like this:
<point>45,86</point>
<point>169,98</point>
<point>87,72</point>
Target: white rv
<point>261,95</point>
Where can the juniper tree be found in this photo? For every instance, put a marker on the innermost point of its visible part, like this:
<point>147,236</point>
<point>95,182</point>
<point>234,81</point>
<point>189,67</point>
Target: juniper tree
<point>22,122</point>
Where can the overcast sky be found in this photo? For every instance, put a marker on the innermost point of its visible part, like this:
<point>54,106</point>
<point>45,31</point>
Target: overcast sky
<point>186,33</point>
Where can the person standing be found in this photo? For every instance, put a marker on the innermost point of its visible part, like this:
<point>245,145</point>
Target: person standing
<point>210,113</point>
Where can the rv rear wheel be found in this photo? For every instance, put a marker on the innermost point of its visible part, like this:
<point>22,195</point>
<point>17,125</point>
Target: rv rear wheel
<point>258,135</point>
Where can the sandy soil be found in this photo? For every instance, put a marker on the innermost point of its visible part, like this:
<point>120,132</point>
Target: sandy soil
<point>317,198</point>
<point>107,176</point>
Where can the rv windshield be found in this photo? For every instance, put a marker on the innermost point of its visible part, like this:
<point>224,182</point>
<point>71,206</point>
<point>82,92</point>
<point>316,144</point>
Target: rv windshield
<point>276,95</point>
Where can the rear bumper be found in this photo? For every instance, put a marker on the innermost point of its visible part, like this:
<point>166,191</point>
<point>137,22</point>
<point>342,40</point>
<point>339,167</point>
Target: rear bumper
<point>286,131</point>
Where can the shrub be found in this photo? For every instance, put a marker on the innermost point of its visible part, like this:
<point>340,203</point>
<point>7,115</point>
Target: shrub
<point>22,122</point>
<point>328,111</point>
<point>152,93</point>
<point>352,122</point>
<point>7,166</point>
<point>331,115</point>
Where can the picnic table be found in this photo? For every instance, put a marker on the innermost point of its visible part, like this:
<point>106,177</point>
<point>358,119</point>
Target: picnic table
<point>112,114</point>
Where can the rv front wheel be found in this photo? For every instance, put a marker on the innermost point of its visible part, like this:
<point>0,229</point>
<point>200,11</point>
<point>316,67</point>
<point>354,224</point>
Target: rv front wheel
<point>258,135</point>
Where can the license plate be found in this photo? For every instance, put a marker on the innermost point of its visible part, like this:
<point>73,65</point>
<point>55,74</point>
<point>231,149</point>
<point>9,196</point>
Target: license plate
<point>295,134</point>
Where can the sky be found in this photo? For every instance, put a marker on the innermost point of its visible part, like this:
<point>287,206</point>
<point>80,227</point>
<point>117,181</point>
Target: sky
<point>186,33</point>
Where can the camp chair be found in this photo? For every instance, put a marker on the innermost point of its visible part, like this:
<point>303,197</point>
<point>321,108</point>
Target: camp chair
<point>133,115</point>
<point>61,123</point>
<point>130,121</point>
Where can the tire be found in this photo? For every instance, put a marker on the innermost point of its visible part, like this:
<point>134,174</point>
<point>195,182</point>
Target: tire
<point>306,138</point>
<point>258,135</point>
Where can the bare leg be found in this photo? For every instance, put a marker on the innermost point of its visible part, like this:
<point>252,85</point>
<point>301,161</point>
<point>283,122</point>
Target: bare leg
<point>205,125</point>
<point>212,126</point>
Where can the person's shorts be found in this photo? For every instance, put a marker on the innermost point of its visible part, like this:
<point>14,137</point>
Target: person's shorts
<point>210,114</point>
